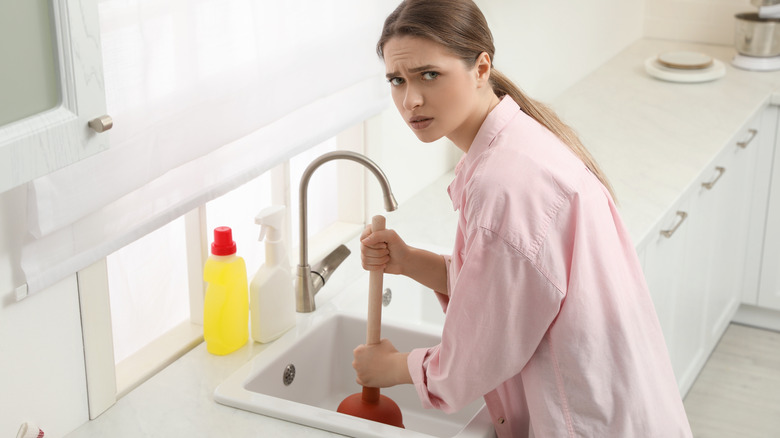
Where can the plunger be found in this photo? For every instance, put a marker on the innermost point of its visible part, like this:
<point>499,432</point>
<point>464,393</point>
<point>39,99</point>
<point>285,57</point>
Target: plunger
<point>370,404</point>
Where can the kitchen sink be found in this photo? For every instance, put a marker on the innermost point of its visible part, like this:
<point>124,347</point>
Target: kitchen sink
<point>304,375</point>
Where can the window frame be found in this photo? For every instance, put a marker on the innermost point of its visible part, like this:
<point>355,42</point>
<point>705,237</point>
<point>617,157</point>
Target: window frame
<point>107,381</point>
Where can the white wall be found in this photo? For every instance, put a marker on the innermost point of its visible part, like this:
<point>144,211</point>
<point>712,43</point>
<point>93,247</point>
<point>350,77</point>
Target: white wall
<point>544,46</point>
<point>547,46</point>
<point>701,21</point>
<point>42,375</point>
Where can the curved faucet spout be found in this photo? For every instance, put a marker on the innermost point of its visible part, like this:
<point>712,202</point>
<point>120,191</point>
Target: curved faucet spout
<point>305,289</point>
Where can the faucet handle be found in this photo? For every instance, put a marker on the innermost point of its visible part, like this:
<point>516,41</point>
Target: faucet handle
<point>322,271</point>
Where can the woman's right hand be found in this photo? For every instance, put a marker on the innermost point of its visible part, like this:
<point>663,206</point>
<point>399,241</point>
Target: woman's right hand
<point>383,250</point>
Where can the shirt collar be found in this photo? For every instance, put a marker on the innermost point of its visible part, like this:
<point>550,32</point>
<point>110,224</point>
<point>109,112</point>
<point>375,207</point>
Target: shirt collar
<point>495,121</point>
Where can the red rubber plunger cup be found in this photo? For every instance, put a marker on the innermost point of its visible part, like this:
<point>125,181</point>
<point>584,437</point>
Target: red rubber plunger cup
<point>370,404</point>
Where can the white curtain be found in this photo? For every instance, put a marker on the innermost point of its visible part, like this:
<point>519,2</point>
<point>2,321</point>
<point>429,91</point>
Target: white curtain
<point>205,95</point>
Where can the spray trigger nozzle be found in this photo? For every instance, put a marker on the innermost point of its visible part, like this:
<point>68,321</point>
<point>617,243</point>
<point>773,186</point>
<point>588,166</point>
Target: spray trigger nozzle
<point>270,220</point>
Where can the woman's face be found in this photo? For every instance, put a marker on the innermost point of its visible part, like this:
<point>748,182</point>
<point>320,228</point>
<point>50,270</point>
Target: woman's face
<point>435,92</point>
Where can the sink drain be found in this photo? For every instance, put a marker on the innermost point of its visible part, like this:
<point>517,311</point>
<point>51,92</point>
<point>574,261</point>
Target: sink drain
<point>387,296</point>
<point>289,374</point>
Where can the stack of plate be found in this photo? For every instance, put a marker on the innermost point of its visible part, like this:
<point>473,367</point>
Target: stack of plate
<point>684,67</point>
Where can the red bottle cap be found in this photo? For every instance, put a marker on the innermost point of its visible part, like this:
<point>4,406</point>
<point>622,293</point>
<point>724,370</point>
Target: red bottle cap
<point>223,242</point>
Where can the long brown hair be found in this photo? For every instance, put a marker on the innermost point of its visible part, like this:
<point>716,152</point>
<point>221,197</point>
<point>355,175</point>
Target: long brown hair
<point>460,26</point>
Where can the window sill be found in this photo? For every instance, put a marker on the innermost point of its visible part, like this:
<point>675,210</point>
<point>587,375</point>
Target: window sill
<point>157,355</point>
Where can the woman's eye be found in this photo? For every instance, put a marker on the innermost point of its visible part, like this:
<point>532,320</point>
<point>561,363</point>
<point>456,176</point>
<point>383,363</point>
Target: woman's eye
<point>430,75</point>
<point>395,81</point>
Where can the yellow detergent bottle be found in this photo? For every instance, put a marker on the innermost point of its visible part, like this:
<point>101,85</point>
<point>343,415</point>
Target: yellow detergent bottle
<point>226,306</point>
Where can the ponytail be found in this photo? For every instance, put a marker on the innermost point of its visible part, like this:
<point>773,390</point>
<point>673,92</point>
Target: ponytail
<point>546,117</point>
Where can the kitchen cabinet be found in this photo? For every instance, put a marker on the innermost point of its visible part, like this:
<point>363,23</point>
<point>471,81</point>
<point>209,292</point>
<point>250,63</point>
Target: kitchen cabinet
<point>761,288</point>
<point>44,141</point>
<point>694,259</point>
<point>724,202</point>
<point>668,271</point>
<point>763,145</point>
<point>769,285</point>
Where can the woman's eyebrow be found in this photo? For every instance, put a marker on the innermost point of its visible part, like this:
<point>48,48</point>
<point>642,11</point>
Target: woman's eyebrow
<point>413,70</point>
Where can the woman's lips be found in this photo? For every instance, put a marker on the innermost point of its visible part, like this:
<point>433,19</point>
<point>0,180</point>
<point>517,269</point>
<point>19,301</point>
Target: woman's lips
<point>420,122</point>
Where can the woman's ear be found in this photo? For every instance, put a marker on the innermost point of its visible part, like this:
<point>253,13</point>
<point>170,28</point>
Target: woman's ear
<point>483,68</point>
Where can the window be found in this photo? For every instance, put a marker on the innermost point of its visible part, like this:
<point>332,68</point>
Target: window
<point>155,284</point>
<point>150,304</point>
<point>147,285</point>
<point>322,191</point>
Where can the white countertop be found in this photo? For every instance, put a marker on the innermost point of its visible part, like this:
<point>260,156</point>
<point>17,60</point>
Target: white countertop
<point>652,138</point>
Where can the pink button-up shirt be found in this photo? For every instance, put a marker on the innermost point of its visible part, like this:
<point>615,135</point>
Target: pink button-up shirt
<point>548,313</point>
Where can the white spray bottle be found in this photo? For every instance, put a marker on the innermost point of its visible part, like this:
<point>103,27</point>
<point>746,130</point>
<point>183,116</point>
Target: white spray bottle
<point>271,294</point>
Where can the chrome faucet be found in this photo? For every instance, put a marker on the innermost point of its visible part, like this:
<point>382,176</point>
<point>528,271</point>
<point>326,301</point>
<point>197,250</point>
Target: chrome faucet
<point>305,287</point>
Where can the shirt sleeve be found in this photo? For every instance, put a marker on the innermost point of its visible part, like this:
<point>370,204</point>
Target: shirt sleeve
<point>444,296</point>
<point>500,306</point>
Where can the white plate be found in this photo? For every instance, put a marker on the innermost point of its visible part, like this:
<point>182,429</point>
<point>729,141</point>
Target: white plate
<point>685,60</point>
<point>656,70</point>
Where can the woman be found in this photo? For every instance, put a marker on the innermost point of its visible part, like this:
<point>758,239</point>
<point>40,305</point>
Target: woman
<point>548,316</point>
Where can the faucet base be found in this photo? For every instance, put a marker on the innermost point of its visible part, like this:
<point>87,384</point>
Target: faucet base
<point>304,290</point>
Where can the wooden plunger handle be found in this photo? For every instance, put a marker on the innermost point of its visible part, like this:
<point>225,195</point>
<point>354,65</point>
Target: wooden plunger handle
<point>374,318</point>
<point>374,324</point>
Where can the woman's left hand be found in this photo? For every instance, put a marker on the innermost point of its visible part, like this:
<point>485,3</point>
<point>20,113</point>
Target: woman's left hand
<point>380,365</point>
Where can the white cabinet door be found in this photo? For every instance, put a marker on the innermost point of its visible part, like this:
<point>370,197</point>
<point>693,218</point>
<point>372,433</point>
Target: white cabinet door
<point>762,145</point>
<point>688,350</point>
<point>769,288</point>
<point>723,219</point>
<point>664,268</point>
<point>48,140</point>
<point>668,271</point>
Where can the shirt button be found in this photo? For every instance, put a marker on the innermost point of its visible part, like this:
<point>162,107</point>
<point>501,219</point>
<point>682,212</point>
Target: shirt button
<point>500,420</point>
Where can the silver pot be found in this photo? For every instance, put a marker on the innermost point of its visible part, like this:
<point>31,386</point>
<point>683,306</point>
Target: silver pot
<point>756,36</point>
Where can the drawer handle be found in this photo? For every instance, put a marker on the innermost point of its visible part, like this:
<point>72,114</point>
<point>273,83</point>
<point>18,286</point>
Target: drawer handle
<point>743,144</point>
<point>711,184</point>
<point>668,233</point>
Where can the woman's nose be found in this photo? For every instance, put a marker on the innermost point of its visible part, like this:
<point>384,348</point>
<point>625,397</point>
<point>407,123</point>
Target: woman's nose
<point>413,98</point>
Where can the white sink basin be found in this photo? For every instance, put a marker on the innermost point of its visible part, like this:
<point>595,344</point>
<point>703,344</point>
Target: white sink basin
<point>320,349</point>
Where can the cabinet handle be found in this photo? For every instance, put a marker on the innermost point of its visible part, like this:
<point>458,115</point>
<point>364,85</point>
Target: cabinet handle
<point>743,144</point>
<point>711,184</point>
<point>668,233</point>
<point>101,124</point>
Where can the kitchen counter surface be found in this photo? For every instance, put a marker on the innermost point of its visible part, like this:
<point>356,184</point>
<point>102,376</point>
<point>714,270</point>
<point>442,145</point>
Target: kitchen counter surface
<point>653,138</point>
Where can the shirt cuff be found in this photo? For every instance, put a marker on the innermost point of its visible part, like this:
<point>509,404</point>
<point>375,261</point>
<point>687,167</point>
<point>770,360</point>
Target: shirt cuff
<point>416,363</point>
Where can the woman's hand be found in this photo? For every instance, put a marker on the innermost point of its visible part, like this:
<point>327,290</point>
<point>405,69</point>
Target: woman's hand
<point>383,250</point>
<point>380,365</point>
